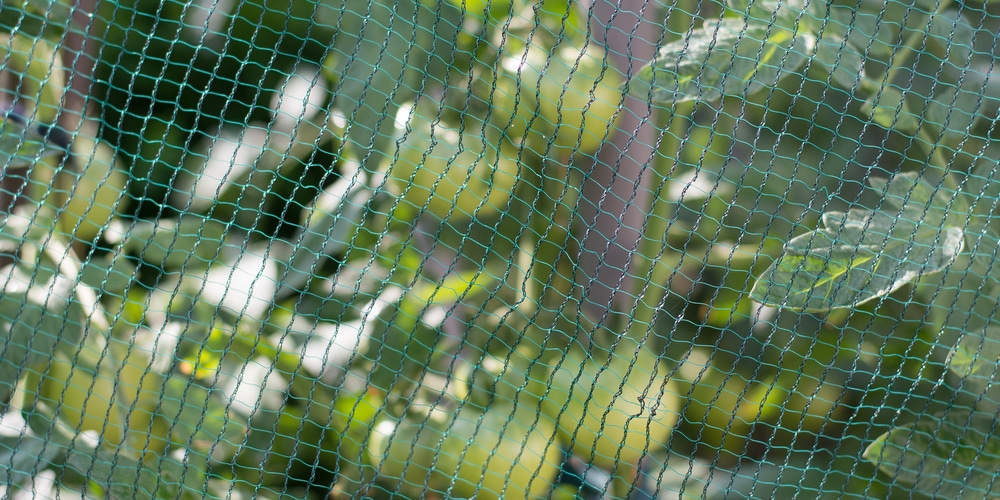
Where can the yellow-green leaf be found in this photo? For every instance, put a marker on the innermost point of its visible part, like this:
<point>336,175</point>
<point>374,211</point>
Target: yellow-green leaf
<point>731,57</point>
<point>954,456</point>
<point>863,254</point>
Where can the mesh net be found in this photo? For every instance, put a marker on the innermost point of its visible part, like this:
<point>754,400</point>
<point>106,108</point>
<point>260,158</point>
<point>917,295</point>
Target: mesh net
<point>499,249</point>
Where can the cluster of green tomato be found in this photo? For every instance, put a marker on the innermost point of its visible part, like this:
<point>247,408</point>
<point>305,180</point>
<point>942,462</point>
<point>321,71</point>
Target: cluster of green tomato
<point>558,101</point>
<point>507,421</point>
<point>503,428</point>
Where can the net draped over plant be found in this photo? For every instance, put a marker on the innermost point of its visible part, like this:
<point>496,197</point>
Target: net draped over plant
<point>499,249</point>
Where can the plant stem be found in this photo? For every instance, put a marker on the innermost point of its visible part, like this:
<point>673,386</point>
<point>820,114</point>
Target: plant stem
<point>907,51</point>
<point>552,286</point>
<point>936,159</point>
<point>651,277</point>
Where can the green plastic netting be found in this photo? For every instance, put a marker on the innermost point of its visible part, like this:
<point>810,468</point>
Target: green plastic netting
<point>513,249</point>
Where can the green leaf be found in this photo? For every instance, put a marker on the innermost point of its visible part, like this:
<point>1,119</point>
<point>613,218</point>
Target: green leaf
<point>952,456</point>
<point>330,228</point>
<point>840,60</point>
<point>385,53</point>
<point>887,108</point>
<point>952,32</point>
<point>731,57</point>
<point>976,358</point>
<point>35,17</point>
<point>21,144</point>
<point>192,242</point>
<point>866,30</point>
<point>786,14</point>
<point>23,454</point>
<point>865,254</point>
<point>953,110</point>
<point>112,274</point>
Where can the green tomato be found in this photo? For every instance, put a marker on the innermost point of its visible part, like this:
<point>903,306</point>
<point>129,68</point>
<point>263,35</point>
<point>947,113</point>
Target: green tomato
<point>801,408</point>
<point>391,443</point>
<point>568,97</point>
<point>98,192</point>
<point>614,415</point>
<point>448,172</point>
<point>514,108</point>
<point>519,379</point>
<point>81,398</point>
<point>41,82</point>
<point>719,412</point>
<point>498,452</point>
<point>95,182</point>
<point>566,491</point>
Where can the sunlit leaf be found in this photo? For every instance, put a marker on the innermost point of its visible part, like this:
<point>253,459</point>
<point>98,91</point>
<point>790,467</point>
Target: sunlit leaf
<point>563,17</point>
<point>199,417</point>
<point>976,360</point>
<point>840,60</point>
<point>951,31</point>
<point>23,452</point>
<point>954,456</point>
<point>786,14</point>
<point>864,254</point>
<point>887,108</point>
<point>731,57</point>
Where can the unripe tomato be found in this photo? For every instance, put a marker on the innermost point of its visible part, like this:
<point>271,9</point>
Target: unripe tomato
<point>802,408</point>
<point>567,491</point>
<point>140,389</point>
<point>518,379</point>
<point>95,181</point>
<point>514,107</point>
<point>448,172</point>
<point>403,452</point>
<point>719,412</point>
<point>568,96</point>
<point>498,452</point>
<point>42,80</point>
<point>82,398</point>
<point>613,415</point>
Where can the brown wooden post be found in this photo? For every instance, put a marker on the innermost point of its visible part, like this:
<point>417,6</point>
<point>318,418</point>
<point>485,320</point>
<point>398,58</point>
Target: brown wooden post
<point>614,195</point>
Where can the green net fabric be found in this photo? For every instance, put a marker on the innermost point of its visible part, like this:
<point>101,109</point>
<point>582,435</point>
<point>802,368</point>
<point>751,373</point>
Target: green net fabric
<point>499,249</point>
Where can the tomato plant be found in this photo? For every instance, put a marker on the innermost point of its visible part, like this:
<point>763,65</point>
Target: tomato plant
<point>355,261</point>
<point>446,171</point>
<point>927,223</point>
